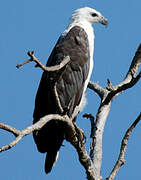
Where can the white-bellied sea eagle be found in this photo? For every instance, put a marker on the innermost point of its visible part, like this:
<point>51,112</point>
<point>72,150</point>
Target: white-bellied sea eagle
<point>77,42</point>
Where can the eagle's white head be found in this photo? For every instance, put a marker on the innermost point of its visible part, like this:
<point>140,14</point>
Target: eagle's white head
<point>89,15</point>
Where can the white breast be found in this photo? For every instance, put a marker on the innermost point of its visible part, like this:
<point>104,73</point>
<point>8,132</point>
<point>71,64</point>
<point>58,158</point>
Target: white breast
<point>90,32</point>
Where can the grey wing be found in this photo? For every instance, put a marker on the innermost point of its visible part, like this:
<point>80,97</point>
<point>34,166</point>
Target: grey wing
<point>70,85</point>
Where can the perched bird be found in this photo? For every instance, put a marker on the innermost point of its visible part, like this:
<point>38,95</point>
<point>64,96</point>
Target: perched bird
<point>65,92</point>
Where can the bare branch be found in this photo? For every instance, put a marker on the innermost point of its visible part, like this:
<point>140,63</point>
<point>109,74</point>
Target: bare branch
<point>44,68</point>
<point>135,63</point>
<point>130,80</point>
<point>20,134</point>
<point>133,69</point>
<point>124,85</point>
<point>107,96</point>
<point>109,85</point>
<point>123,148</point>
<point>89,116</point>
<point>97,88</point>
<point>13,130</point>
<point>92,163</point>
<point>101,118</point>
<point>25,62</point>
<point>70,135</point>
<point>84,158</point>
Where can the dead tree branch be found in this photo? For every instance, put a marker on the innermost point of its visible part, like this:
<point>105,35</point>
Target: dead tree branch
<point>11,129</point>
<point>44,68</point>
<point>92,163</point>
<point>97,88</point>
<point>123,148</point>
<point>107,95</point>
<point>70,134</point>
<point>37,126</point>
<point>71,137</point>
<point>89,116</point>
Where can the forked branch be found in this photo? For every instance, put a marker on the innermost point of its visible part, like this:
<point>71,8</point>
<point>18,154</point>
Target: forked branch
<point>131,78</point>
<point>71,135</point>
<point>107,95</point>
<point>44,68</point>
<point>123,148</point>
<point>37,126</point>
<point>92,163</point>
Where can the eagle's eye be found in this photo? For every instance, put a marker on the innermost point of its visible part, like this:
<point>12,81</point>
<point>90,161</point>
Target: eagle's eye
<point>94,14</point>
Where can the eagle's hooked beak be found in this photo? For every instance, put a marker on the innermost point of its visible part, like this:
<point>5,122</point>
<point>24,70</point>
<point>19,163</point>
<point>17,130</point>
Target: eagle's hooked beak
<point>103,20</point>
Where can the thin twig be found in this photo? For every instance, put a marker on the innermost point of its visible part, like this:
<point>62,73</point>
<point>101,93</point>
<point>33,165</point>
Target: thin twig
<point>25,62</point>
<point>123,148</point>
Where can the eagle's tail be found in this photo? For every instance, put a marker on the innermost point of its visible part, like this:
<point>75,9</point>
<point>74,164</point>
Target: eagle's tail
<point>51,159</point>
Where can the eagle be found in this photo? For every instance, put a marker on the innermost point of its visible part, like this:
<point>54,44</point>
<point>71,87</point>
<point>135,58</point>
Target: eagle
<point>64,92</point>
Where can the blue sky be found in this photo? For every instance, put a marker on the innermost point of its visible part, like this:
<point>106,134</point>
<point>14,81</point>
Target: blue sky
<point>36,25</point>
